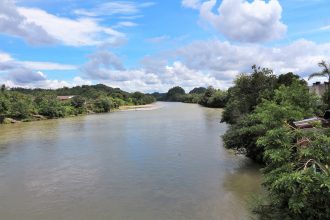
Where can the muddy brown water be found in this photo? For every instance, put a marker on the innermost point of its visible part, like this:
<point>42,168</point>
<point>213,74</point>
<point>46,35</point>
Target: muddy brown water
<point>168,163</point>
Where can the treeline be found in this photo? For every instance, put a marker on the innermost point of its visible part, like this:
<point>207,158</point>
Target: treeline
<point>32,104</point>
<point>260,110</point>
<point>209,97</point>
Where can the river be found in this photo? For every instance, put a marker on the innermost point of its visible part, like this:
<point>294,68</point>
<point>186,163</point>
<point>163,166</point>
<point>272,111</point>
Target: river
<point>168,163</point>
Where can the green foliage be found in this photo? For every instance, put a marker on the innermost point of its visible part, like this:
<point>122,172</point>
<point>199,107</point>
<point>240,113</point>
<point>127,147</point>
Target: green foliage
<point>139,98</point>
<point>78,101</point>
<point>4,104</point>
<point>288,78</point>
<point>297,174</point>
<point>213,98</point>
<point>192,98</point>
<point>3,88</point>
<point>103,104</point>
<point>25,104</point>
<point>210,97</point>
<point>175,94</point>
<point>21,106</point>
<point>289,103</point>
<point>296,161</point>
<point>199,90</point>
<point>248,91</point>
<point>50,107</point>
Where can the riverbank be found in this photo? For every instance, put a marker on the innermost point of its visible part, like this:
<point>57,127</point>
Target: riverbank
<point>138,107</point>
<point>148,107</point>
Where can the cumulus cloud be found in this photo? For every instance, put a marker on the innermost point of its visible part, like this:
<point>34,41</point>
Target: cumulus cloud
<point>205,63</point>
<point>224,60</point>
<point>15,73</point>
<point>13,23</point>
<point>242,20</point>
<point>73,32</point>
<point>39,27</point>
<point>23,76</point>
<point>104,65</point>
<point>154,75</point>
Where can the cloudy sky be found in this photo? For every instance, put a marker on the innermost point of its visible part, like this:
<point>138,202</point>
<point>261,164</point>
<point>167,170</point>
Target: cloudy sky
<point>153,45</point>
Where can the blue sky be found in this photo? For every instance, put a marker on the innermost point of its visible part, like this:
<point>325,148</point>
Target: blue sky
<point>154,45</point>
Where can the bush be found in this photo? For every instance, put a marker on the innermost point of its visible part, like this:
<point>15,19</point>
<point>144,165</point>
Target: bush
<point>51,107</point>
<point>103,104</point>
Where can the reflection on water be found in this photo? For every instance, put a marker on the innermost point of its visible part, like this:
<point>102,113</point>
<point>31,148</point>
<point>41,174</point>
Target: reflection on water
<point>168,163</point>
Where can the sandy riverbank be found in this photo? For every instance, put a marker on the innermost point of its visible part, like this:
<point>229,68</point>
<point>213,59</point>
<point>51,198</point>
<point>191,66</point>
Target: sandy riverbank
<point>139,107</point>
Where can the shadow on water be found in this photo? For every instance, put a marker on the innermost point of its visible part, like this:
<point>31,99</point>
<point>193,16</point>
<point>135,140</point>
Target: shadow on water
<point>244,183</point>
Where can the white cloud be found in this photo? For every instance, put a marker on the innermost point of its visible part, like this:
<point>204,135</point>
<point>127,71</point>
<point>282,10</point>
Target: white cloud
<point>325,28</point>
<point>242,20</point>
<point>102,64</point>
<point>15,73</point>
<point>74,32</point>
<point>48,84</point>
<point>114,8</point>
<point>125,24</point>
<point>23,76</point>
<point>4,57</point>
<point>46,65</point>
<point>105,67</point>
<point>224,60</point>
<point>13,23</point>
<point>204,63</point>
<point>195,4</point>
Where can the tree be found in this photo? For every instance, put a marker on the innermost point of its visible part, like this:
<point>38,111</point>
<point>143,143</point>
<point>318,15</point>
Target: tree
<point>50,107</point>
<point>325,72</point>
<point>4,105</point>
<point>199,90</point>
<point>103,104</point>
<point>21,106</point>
<point>3,88</point>
<point>289,103</point>
<point>214,98</point>
<point>297,175</point>
<point>248,91</point>
<point>78,101</point>
<point>175,94</point>
<point>288,78</point>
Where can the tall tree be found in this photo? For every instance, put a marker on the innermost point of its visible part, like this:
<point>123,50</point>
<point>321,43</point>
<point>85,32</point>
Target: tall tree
<point>325,72</point>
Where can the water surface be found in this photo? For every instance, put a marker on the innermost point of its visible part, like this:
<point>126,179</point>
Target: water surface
<point>164,164</point>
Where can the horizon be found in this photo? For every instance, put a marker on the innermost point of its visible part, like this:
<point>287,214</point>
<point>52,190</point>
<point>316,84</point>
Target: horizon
<point>152,46</point>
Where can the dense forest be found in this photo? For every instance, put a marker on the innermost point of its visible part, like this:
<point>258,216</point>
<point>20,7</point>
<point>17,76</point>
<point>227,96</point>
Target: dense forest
<point>19,104</point>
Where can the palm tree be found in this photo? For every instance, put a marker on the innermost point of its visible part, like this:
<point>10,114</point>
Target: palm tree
<point>324,73</point>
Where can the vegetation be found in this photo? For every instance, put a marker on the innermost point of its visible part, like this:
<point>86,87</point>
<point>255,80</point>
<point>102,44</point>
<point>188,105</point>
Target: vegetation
<point>296,162</point>
<point>325,72</point>
<point>260,109</point>
<point>209,97</point>
<point>31,104</point>
<point>297,174</point>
